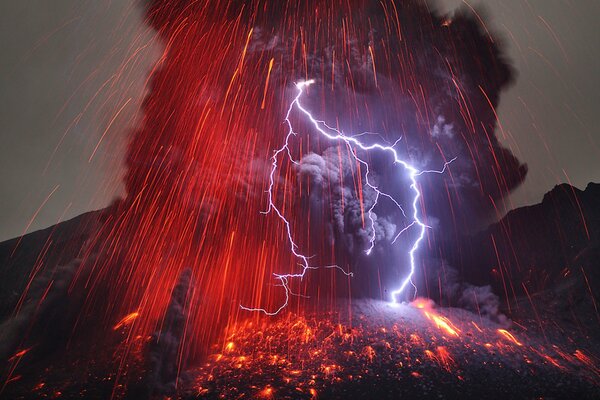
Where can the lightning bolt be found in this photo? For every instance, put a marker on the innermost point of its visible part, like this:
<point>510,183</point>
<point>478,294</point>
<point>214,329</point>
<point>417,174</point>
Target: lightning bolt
<point>354,144</point>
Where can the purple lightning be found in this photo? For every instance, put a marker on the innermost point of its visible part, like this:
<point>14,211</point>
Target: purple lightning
<point>352,142</point>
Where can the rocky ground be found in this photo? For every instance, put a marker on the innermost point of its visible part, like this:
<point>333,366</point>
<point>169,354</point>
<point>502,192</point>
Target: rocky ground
<point>370,350</point>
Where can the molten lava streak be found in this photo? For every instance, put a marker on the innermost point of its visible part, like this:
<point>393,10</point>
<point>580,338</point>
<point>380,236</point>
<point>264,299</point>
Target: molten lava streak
<point>440,321</point>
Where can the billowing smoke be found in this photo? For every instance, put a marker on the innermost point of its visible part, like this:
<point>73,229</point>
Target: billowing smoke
<point>347,210</point>
<point>432,90</point>
<point>393,70</point>
<point>453,290</point>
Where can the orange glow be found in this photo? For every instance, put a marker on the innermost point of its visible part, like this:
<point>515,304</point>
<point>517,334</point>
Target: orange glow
<point>441,322</point>
<point>421,303</point>
<point>509,336</point>
<point>267,393</point>
<point>128,319</point>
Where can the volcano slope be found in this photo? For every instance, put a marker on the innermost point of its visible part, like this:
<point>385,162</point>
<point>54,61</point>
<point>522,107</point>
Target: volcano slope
<point>368,349</point>
<point>548,347</point>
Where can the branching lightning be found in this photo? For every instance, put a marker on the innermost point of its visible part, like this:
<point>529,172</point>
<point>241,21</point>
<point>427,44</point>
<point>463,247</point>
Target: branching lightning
<point>354,144</point>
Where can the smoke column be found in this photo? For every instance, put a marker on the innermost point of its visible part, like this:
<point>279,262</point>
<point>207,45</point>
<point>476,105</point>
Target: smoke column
<point>198,165</point>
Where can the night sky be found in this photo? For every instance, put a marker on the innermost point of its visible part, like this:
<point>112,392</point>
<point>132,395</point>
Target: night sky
<point>72,76</point>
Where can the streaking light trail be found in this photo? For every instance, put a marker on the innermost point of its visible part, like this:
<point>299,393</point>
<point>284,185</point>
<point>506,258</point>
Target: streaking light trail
<point>354,144</point>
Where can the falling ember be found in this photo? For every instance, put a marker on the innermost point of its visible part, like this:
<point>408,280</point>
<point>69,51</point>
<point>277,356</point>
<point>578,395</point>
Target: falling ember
<point>509,336</point>
<point>229,346</point>
<point>128,319</point>
<point>443,323</point>
<point>587,361</point>
<point>267,393</point>
<point>442,357</point>
<point>19,354</point>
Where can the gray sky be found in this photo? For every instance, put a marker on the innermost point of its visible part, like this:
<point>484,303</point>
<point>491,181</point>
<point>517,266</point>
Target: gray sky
<point>66,69</point>
<point>72,74</point>
<point>550,114</point>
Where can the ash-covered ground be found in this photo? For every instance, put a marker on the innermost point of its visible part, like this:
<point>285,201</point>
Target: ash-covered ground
<point>366,350</point>
<point>389,351</point>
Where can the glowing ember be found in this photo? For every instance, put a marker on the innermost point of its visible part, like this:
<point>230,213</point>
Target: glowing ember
<point>128,319</point>
<point>19,354</point>
<point>390,347</point>
<point>440,321</point>
<point>509,336</point>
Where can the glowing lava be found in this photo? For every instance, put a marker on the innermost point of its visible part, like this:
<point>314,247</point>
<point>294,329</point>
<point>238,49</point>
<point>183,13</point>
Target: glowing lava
<point>440,321</point>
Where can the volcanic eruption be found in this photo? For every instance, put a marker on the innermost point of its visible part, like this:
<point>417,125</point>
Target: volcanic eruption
<point>431,93</point>
<point>303,172</point>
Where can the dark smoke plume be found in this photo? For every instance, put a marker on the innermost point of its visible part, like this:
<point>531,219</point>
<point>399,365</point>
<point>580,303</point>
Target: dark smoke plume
<point>396,68</point>
<point>478,299</point>
<point>166,355</point>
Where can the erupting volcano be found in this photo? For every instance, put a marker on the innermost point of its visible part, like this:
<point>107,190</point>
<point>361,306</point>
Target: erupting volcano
<point>313,210</point>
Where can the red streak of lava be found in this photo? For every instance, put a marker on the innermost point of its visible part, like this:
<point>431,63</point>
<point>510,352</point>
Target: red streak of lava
<point>128,319</point>
<point>509,336</point>
<point>443,323</point>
